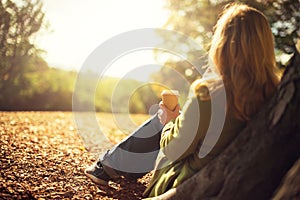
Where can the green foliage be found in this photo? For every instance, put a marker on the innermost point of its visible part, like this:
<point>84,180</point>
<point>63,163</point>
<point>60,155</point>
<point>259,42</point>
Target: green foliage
<point>48,89</point>
<point>124,95</point>
<point>52,89</point>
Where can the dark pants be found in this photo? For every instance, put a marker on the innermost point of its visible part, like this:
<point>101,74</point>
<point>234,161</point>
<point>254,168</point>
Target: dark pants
<point>135,155</point>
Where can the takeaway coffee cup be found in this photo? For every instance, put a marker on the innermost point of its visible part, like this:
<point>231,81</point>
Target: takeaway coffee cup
<point>170,98</point>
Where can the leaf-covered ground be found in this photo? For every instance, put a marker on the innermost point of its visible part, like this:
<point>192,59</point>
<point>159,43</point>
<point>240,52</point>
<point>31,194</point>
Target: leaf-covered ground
<point>43,157</point>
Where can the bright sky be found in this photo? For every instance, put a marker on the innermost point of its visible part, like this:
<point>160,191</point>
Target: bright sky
<point>77,27</point>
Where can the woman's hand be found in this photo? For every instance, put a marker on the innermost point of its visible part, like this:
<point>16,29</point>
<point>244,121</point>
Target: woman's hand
<point>165,115</point>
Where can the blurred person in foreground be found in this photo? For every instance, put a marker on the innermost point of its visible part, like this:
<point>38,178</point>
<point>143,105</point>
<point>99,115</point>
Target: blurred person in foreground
<point>242,69</point>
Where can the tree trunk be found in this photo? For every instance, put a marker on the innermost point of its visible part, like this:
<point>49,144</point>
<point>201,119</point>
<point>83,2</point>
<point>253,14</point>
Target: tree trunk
<point>290,188</point>
<point>253,165</point>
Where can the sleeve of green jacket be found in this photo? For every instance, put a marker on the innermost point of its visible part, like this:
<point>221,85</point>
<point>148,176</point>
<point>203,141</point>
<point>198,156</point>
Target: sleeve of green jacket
<point>184,136</point>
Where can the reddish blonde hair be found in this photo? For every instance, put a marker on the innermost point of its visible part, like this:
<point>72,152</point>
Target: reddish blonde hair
<point>242,51</point>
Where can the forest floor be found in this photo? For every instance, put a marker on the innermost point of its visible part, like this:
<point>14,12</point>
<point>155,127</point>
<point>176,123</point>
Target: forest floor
<point>43,157</point>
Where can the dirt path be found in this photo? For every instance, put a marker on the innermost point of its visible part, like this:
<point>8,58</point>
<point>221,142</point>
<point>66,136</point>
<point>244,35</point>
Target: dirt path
<point>43,157</point>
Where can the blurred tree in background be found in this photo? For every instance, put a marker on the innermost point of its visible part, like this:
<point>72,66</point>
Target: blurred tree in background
<point>26,80</point>
<point>19,23</point>
<point>196,19</point>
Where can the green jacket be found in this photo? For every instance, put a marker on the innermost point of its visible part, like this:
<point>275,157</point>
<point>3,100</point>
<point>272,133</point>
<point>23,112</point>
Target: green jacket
<point>181,141</point>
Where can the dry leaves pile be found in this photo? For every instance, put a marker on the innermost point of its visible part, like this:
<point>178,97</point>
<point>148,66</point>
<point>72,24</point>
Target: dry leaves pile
<point>43,157</point>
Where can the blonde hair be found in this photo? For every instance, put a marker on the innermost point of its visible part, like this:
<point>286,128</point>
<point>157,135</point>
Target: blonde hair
<point>242,51</point>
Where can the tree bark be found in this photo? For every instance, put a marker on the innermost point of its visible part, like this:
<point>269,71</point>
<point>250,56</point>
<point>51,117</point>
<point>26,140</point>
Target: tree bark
<point>253,165</point>
<point>290,188</point>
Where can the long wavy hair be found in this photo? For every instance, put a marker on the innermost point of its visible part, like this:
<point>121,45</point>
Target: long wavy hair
<point>242,50</point>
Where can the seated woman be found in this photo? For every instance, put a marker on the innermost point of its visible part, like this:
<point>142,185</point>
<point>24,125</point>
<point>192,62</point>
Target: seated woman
<point>243,65</point>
